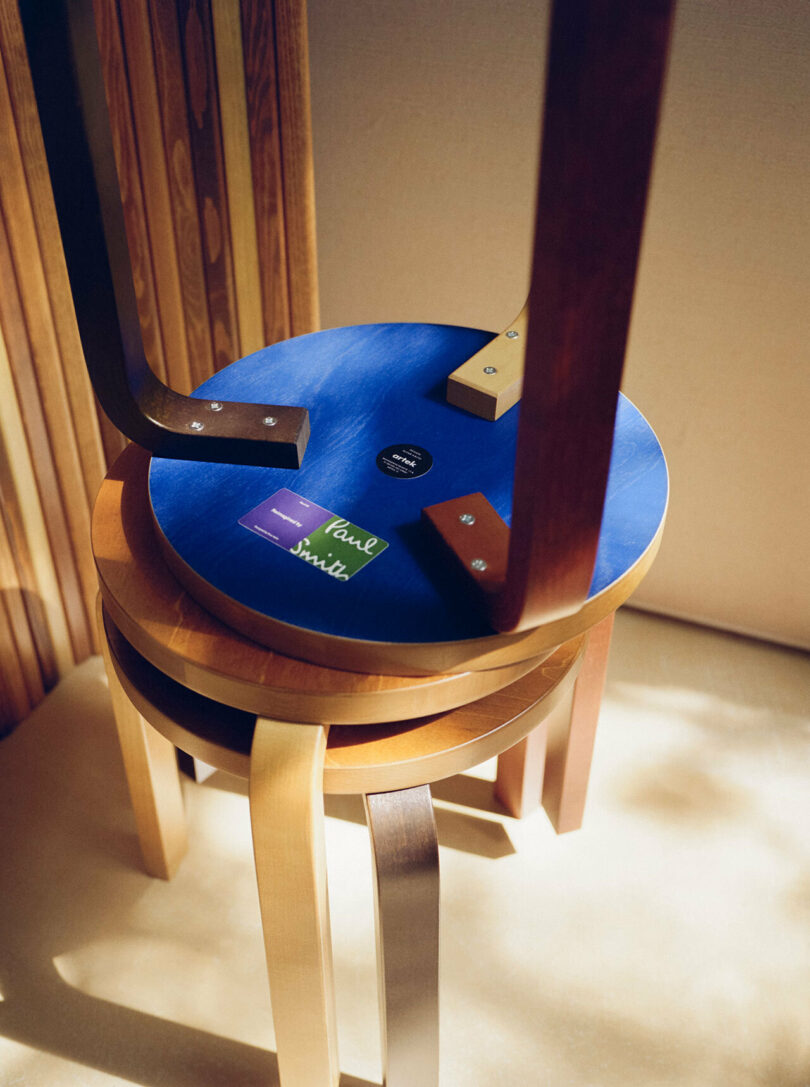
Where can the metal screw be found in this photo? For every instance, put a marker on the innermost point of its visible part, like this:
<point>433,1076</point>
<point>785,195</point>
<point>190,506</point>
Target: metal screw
<point>479,564</point>
<point>196,425</point>
<point>467,519</point>
<point>490,370</point>
<point>269,420</point>
<point>512,334</point>
<point>215,405</point>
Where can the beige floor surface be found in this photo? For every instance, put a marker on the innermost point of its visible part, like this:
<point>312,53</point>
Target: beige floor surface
<point>667,944</point>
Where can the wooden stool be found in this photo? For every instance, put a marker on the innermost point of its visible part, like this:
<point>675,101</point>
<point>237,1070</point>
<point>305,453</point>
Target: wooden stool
<point>289,765</point>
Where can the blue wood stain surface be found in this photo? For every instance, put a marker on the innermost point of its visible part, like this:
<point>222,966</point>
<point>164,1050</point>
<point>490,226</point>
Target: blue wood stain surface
<point>369,387</point>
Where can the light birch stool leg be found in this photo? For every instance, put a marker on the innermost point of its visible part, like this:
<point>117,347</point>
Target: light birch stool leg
<point>150,764</point>
<point>406,873</point>
<point>571,736</point>
<point>286,813</point>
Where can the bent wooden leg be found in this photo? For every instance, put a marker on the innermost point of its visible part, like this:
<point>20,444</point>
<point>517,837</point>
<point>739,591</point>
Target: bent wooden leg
<point>406,873</point>
<point>571,736</point>
<point>286,813</point>
<point>150,764</point>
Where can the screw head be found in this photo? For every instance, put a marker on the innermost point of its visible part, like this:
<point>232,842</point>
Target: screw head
<point>512,334</point>
<point>195,424</point>
<point>215,405</point>
<point>490,370</point>
<point>479,564</point>
<point>269,420</point>
<point>467,518</point>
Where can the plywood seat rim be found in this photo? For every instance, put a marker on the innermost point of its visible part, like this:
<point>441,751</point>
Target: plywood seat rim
<point>177,635</point>
<point>359,759</point>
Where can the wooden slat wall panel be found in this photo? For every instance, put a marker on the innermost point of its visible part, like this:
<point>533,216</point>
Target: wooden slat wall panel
<point>259,46</point>
<point>28,535</point>
<point>140,62</point>
<point>295,120</point>
<point>80,396</point>
<point>205,124</point>
<point>220,226</point>
<point>19,591</point>
<point>119,103</point>
<point>227,27</point>
<point>182,186</point>
<point>58,441</point>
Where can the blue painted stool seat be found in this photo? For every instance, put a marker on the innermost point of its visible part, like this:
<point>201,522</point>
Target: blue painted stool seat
<point>370,388</point>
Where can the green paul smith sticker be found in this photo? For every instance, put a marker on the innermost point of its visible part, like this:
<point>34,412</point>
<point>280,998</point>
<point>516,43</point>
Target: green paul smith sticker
<point>319,537</point>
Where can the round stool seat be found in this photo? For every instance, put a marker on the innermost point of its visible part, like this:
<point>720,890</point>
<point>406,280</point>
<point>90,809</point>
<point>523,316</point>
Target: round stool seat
<point>359,759</point>
<point>329,562</point>
<point>186,642</point>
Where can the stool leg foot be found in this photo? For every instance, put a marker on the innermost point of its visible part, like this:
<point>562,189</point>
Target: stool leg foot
<point>571,736</point>
<point>286,813</point>
<point>406,872</point>
<point>150,765</point>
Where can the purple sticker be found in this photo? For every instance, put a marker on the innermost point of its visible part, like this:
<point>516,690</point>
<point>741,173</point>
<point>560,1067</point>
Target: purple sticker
<point>285,518</point>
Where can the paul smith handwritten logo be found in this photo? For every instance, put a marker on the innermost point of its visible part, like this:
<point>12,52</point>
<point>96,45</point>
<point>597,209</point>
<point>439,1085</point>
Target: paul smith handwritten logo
<point>327,542</point>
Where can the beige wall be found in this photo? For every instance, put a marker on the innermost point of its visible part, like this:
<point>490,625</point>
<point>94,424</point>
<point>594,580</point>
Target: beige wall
<point>425,118</point>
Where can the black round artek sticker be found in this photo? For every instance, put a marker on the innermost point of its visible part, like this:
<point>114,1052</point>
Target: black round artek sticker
<point>404,461</point>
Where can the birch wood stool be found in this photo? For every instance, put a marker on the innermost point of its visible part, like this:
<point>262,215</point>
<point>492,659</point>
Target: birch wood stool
<point>181,677</point>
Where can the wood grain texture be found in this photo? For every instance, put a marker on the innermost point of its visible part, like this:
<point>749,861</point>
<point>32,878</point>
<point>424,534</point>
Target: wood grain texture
<point>43,353</point>
<point>292,66</point>
<point>286,812</point>
<point>140,61</point>
<point>490,394</point>
<point>150,765</point>
<point>29,533</point>
<point>122,124</point>
<point>405,852</point>
<point>258,42</point>
<point>205,130</point>
<point>604,77</point>
<point>26,627</point>
<point>571,736</point>
<point>230,62</point>
<point>15,699</point>
<point>359,759</point>
<point>368,387</point>
<point>78,389</point>
<point>34,448</point>
<point>182,186</point>
<point>189,644</point>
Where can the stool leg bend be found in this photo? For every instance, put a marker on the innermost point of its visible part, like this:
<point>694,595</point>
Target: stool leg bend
<point>406,873</point>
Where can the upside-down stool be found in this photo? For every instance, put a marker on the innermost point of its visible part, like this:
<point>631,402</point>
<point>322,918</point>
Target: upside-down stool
<point>349,565</point>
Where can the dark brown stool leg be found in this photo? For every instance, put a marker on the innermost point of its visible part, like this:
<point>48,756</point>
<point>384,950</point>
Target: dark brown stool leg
<point>406,873</point>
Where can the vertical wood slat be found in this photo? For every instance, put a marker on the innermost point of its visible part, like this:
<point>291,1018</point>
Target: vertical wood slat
<point>59,433</point>
<point>28,535</point>
<point>182,186</point>
<point>295,119</point>
<point>198,199</point>
<point>205,127</point>
<point>80,397</point>
<point>25,620</point>
<point>259,51</point>
<point>15,692</point>
<point>227,29</point>
<point>119,104</point>
<point>137,39</point>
